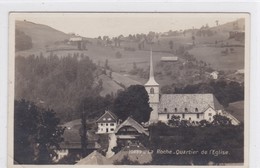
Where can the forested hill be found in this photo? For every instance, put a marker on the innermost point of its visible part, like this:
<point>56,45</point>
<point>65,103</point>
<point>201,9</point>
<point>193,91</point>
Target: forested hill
<point>41,35</point>
<point>55,83</point>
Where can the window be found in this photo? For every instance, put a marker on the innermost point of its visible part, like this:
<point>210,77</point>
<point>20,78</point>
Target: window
<point>209,118</point>
<point>112,124</point>
<point>106,124</point>
<point>152,90</point>
<point>189,118</point>
<point>112,129</point>
<point>168,116</point>
<point>183,115</point>
<point>198,115</point>
<point>210,114</point>
<point>196,109</point>
<point>165,109</point>
<point>175,109</point>
<point>101,124</point>
<point>186,110</point>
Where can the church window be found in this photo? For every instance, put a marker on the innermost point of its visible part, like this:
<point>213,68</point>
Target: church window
<point>196,109</point>
<point>175,109</point>
<point>183,115</point>
<point>152,90</point>
<point>186,110</point>
<point>198,115</point>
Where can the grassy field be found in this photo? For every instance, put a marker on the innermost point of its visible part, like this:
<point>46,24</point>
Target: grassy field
<point>212,55</point>
<point>237,110</point>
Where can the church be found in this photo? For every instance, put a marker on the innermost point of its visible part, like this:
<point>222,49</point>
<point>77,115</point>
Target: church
<point>191,107</point>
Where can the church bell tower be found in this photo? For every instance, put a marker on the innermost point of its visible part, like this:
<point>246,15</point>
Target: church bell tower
<point>152,88</point>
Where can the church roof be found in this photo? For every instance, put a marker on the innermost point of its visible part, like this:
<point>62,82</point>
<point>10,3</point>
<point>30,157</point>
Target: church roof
<point>187,103</point>
<point>132,123</point>
<point>107,117</point>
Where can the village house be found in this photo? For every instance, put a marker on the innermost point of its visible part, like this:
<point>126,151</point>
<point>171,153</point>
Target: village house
<point>214,74</point>
<point>129,132</point>
<point>107,123</point>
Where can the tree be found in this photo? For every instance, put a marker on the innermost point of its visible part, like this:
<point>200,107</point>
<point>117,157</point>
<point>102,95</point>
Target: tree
<point>171,44</point>
<point>49,135</point>
<point>174,121</point>
<point>133,102</point>
<point>220,120</point>
<point>36,133</point>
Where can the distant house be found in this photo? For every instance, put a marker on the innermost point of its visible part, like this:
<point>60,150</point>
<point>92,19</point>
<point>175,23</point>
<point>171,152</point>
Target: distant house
<point>169,59</point>
<point>129,132</point>
<point>240,71</point>
<point>214,74</point>
<point>107,123</point>
<point>75,39</point>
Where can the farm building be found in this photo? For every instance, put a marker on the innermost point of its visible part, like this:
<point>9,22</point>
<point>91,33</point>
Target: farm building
<point>129,132</point>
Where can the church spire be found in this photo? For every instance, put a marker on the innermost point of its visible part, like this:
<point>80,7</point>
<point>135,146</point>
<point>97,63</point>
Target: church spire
<point>151,80</point>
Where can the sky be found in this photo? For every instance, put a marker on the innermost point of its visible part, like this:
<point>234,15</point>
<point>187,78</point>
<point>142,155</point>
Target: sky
<point>115,24</point>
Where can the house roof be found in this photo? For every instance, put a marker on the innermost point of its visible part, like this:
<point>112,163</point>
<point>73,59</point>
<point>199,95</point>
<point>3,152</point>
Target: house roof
<point>77,145</point>
<point>107,117</point>
<point>141,155</point>
<point>95,158</point>
<point>194,103</point>
<point>72,139</point>
<point>132,123</point>
<point>173,58</point>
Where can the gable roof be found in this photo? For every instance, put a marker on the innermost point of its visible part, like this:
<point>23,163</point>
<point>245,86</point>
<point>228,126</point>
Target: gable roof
<point>194,103</point>
<point>143,157</point>
<point>105,116</point>
<point>132,123</point>
<point>95,158</point>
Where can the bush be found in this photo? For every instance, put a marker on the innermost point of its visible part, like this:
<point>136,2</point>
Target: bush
<point>118,54</point>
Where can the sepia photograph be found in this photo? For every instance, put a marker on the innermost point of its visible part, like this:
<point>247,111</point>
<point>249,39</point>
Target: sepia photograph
<point>129,89</point>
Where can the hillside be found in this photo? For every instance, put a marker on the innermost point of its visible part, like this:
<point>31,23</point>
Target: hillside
<point>41,35</point>
<point>237,110</point>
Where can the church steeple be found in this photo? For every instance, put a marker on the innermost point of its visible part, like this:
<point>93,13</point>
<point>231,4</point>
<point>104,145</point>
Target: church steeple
<point>152,88</point>
<point>151,80</point>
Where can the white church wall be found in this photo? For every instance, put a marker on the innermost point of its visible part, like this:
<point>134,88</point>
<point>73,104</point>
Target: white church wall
<point>209,113</point>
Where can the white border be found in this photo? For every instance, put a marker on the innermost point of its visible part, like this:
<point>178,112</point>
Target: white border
<point>121,6</point>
